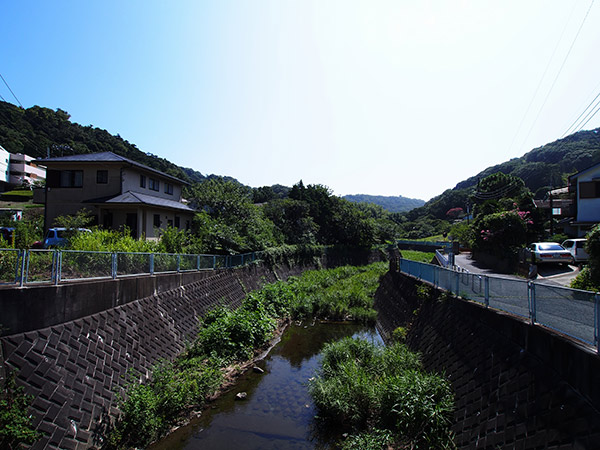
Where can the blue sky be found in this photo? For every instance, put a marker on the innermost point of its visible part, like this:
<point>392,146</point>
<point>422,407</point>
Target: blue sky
<point>374,97</point>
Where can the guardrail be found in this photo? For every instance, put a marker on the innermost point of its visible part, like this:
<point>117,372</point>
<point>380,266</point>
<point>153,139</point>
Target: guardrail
<point>573,312</point>
<point>21,267</point>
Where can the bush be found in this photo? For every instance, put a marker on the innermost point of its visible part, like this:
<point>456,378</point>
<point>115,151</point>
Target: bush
<point>151,408</point>
<point>15,422</point>
<point>589,277</point>
<point>360,385</point>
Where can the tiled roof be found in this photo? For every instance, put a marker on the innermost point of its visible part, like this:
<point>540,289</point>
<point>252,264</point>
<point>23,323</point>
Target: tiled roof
<point>139,198</point>
<point>104,157</point>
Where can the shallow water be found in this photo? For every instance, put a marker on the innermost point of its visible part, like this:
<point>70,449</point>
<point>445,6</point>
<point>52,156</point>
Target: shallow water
<point>278,412</point>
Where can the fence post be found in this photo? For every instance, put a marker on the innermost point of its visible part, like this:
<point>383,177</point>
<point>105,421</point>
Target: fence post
<point>27,266</point>
<point>486,283</point>
<point>22,254</point>
<point>58,266</point>
<point>214,262</point>
<point>597,321</point>
<point>198,263</point>
<point>113,268</point>
<point>457,277</point>
<point>151,264</point>
<point>178,263</point>
<point>531,298</point>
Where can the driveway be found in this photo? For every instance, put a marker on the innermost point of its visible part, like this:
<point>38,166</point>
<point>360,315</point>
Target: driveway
<point>548,273</point>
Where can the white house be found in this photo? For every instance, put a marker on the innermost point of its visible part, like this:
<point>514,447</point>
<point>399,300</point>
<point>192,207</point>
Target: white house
<point>586,187</point>
<point>4,164</point>
<point>23,170</point>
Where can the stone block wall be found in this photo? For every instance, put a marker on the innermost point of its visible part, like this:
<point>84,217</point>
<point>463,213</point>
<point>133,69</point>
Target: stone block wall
<point>74,369</point>
<point>517,386</point>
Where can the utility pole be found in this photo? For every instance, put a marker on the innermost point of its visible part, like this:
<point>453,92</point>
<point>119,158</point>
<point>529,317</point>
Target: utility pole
<point>551,213</point>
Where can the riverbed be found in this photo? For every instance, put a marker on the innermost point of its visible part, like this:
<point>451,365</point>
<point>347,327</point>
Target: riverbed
<point>277,412</point>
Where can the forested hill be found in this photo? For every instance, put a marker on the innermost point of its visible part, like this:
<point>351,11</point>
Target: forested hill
<point>541,169</point>
<point>36,130</point>
<point>549,165</point>
<point>392,204</point>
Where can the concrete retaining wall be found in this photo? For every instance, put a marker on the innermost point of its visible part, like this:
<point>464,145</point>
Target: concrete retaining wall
<point>74,369</point>
<point>516,385</point>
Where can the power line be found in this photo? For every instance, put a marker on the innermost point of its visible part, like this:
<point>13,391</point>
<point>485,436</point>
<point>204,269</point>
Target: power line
<point>591,117</point>
<point>559,71</point>
<point>574,125</point>
<point>11,91</point>
<point>543,77</point>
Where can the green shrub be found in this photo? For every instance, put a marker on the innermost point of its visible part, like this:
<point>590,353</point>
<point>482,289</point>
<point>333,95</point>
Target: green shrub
<point>399,334</point>
<point>371,440</point>
<point>15,422</point>
<point>151,408</point>
<point>361,385</point>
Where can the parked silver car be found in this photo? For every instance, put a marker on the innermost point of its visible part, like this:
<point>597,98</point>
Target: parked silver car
<point>549,252</point>
<point>577,249</point>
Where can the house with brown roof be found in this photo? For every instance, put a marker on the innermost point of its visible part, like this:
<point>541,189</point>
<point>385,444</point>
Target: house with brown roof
<point>118,191</point>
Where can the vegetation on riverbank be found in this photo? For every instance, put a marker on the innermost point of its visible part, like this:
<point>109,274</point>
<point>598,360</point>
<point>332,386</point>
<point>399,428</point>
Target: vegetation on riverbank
<point>228,338</point>
<point>383,395</point>
<point>16,428</point>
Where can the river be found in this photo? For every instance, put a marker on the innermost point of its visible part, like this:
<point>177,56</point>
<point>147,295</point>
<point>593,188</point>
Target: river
<point>277,412</point>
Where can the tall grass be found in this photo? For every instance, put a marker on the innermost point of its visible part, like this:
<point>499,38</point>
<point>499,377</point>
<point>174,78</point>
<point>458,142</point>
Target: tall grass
<point>227,336</point>
<point>363,386</point>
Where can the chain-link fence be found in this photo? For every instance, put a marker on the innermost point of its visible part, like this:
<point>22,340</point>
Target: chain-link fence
<point>572,312</point>
<point>20,267</point>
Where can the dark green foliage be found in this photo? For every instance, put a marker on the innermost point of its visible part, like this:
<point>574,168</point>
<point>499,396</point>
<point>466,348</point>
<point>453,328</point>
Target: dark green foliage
<point>152,408</point>
<point>541,169</point>
<point>233,335</point>
<point>391,203</point>
<point>15,422</point>
<point>229,222</point>
<point>589,278</point>
<point>370,440</point>
<point>293,221</point>
<point>361,386</point>
<point>36,130</point>
<point>338,220</point>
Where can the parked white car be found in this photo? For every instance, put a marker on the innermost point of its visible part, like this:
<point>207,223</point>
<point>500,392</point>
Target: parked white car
<point>549,252</point>
<point>577,249</point>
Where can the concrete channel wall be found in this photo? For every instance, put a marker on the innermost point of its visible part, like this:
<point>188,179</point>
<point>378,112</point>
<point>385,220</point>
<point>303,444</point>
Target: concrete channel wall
<point>517,386</point>
<point>75,369</point>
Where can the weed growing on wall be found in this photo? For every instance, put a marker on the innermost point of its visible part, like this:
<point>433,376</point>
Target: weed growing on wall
<point>16,429</point>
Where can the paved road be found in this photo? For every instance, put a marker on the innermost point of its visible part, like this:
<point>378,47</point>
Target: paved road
<point>566,310</point>
<point>555,274</point>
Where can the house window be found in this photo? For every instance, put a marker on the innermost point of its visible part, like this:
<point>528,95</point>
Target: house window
<point>71,178</point>
<point>168,188</point>
<point>102,176</point>
<point>142,181</point>
<point>589,189</point>
<point>177,221</point>
<point>154,185</point>
<point>156,220</point>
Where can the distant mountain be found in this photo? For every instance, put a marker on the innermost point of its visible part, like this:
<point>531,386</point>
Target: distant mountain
<point>542,169</point>
<point>392,204</point>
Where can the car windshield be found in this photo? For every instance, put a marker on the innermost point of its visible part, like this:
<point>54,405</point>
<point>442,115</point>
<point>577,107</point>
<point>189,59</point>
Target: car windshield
<point>550,247</point>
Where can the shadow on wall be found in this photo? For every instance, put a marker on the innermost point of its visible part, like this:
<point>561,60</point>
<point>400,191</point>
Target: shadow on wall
<point>516,385</point>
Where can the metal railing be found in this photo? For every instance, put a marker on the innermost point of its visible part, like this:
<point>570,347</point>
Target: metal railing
<point>23,267</point>
<point>573,312</point>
